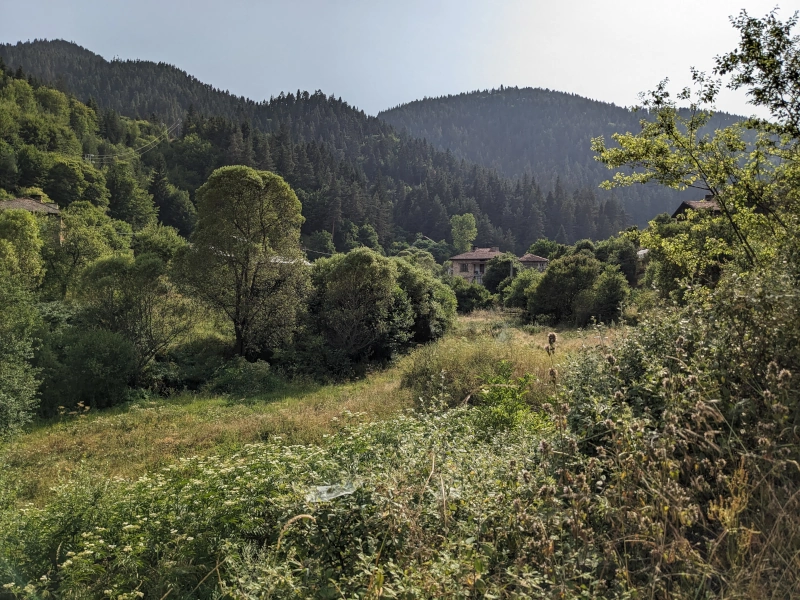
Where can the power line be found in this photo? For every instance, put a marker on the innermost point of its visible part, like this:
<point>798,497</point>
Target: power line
<point>132,152</point>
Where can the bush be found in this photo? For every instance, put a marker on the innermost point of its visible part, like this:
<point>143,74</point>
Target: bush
<point>515,294</point>
<point>243,379</point>
<point>357,309</point>
<point>501,401</point>
<point>432,302</point>
<point>195,362</point>
<point>563,280</point>
<point>470,296</point>
<point>91,366</point>
<point>18,379</point>
<point>499,269</point>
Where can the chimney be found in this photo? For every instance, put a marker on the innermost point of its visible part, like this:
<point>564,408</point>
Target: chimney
<point>36,196</point>
<point>709,197</point>
<point>495,248</point>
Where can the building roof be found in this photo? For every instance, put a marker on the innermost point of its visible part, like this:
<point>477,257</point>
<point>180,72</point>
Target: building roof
<point>478,254</point>
<point>708,204</point>
<point>531,258</point>
<point>30,205</point>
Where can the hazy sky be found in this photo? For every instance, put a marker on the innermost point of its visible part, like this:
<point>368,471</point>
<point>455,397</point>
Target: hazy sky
<point>377,54</point>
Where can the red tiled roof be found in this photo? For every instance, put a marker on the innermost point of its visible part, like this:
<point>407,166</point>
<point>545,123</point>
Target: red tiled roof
<point>30,205</point>
<point>532,258</point>
<point>478,254</point>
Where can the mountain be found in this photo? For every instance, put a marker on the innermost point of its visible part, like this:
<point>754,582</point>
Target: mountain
<point>539,132</point>
<point>360,180</point>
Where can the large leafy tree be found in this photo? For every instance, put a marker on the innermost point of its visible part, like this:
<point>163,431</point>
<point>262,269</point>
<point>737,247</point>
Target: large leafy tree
<point>463,231</point>
<point>245,259</point>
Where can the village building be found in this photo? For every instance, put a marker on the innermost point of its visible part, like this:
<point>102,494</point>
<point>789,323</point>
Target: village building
<point>36,206</point>
<point>31,205</point>
<point>472,265</point>
<point>531,261</point>
<point>707,204</point>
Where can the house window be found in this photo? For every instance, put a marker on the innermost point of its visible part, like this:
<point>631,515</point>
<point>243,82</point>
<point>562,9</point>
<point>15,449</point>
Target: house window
<point>464,268</point>
<point>483,266</point>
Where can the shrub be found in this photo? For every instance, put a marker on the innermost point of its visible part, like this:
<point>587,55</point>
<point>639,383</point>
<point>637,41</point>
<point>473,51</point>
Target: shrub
<point>470,296</point>
<point>432,302</point>
<point>501,401</point>
<point>357,307</point>
<point>241,378</point>
<point>500,268</point>
<point>515,294</point>
<point>194,362</point>
<point>91,366</point>
<point>563,280</point>
<point>18,379</point>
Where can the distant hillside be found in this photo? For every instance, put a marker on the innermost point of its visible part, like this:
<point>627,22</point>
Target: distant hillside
<point>357,176</point>
<point>543,133</point>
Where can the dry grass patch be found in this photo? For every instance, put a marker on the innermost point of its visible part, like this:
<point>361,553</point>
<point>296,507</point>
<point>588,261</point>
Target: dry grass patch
<point>131,440</point>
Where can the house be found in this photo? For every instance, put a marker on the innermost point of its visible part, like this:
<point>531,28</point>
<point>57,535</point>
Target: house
<point>31,205</point>
<point>36,206</point>
<point>472,265</point>
<point>531,261</point>
<point>708,203</point>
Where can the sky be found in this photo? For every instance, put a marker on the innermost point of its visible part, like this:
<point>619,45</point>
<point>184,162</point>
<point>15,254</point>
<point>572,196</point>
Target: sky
<point>376,54</point>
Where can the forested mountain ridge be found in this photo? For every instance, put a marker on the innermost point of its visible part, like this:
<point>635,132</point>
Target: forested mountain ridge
<point>543,133</point>
<point>359,180</point>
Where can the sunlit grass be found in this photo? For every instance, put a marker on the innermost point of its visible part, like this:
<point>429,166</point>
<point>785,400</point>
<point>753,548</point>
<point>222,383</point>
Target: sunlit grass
<point>133,439</point>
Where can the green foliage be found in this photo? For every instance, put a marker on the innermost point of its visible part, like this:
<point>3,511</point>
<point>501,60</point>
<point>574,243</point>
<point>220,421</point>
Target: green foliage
<point>70,179</point>
<point>620,251</point>
<point>161,240</point>
<point>433,303</point>
<point>463,231</point>
<point>470,296</point>
<point>547,249</point>
<point>240,379</point>
<point>88,234</point>
<point>319,244</point>
<point>516,293</point>
<point>245,259</point>
<point>564,279</point>
<point>501,401</point>
<point>359,310</point>
<point>21,256</point>
<point>499,269</point>
<point>18,379</point>
<point>92,367</point>
<point>128,201</point>
<point>134,298</point>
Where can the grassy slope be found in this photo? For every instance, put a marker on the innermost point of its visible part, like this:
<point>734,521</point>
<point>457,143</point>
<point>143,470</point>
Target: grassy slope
<point>140,437</point>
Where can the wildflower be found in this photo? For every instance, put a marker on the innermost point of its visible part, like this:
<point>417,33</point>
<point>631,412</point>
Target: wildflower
<point>611,359</point>
<point>553,373</point>
<point>618,395</point>
<point>772,369</point>
<point>552,338</point>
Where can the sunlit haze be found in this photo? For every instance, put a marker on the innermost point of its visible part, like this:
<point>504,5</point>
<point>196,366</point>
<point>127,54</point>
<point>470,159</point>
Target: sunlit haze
<point>376,55</point>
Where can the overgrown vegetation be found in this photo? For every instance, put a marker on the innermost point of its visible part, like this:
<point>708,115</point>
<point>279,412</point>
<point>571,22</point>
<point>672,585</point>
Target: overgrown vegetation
<point>656,461</point>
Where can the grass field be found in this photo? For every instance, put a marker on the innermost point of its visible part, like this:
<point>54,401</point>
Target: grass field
<point>139,437</point>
